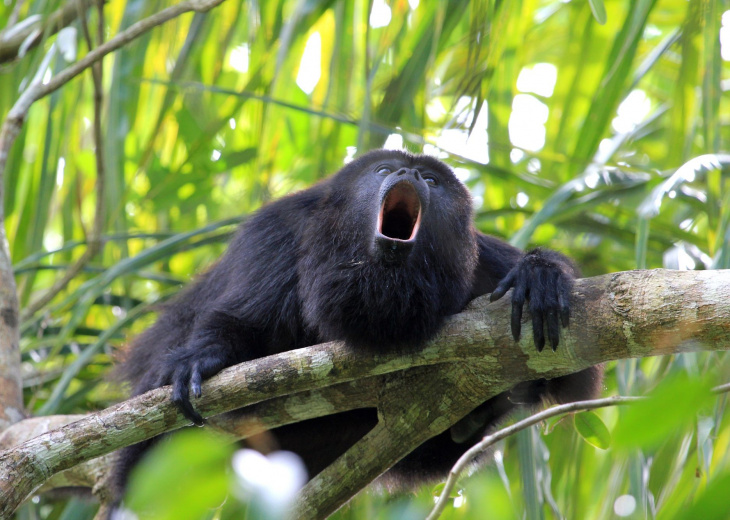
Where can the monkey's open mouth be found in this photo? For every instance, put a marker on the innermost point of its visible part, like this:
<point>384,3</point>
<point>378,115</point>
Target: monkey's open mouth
<point>400,213</point>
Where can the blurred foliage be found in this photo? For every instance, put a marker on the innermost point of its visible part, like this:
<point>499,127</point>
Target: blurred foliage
<point>596,128</point>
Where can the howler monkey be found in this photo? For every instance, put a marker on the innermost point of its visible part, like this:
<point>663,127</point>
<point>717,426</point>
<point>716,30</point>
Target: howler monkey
<point>377,255</point>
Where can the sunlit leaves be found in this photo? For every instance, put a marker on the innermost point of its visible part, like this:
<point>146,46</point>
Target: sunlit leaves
<point>204,122</point>
<point>186,476</point>
<point>670,407</point>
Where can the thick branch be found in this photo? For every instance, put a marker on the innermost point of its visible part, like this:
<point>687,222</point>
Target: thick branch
<point>618,316</point>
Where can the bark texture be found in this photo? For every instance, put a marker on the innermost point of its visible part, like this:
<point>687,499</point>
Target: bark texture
<point>616,316</point>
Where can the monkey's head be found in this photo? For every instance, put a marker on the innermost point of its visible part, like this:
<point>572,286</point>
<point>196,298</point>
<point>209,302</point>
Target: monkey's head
<point>393,248</point>
<point>405,203</point>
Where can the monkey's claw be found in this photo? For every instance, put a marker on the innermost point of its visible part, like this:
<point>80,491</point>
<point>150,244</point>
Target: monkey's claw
<point>544,280</point>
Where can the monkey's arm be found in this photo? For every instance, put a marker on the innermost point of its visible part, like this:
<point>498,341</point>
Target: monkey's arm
<point>216,342</point>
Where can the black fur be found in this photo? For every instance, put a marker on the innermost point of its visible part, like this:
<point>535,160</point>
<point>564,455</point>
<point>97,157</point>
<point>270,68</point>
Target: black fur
<point>314,266</point>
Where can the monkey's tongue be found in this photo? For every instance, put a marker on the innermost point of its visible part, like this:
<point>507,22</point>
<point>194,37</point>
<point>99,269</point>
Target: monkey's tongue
<point>400,213</point>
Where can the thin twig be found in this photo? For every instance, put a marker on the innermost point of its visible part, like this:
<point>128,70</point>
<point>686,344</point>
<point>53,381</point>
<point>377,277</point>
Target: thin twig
<point>16,116</point>
<point>487,441</point>
<point>94,242</point>
<point>721,389</point>
<point>31,34</point>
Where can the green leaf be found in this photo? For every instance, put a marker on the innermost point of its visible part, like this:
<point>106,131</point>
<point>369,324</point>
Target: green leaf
<point>598,10</point>
<point>183,477</point>
<point>711,504</point>
<point>671,407</point>
<point>592,429</point>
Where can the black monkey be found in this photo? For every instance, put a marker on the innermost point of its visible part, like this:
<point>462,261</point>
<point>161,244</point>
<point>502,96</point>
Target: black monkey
<point>377,255</point>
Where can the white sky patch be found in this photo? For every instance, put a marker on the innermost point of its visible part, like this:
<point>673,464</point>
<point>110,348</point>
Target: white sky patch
<point>232,123</point>
<point>652,31</point>
<point>66,41</point>
<point>433,151</point>
<point>686,262</point>
<point>414,4</point>
<point>351,151</point>
<point>464,112</point>
<point>591,179</point>
<point>539,79</point>
<point>435,109</point>
<point>52,240</point>
<point>725,36</point>
<point>394,142</point>
<point>624,505</point>
<point>472,146</point>
<point>527,122</point>
<point>460,142</point>
<point>310,68</point>
<point>522,199</point>
<point>632,111</point>
<point>238,59</point>
<point>275,478</point>
<point>459,500</point>
<point>380,15</point>
<point>215,155</point>
<point>462,174</point>
<point>59,171</point>
<point>605,147</point>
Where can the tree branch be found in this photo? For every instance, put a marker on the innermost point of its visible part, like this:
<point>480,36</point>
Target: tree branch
<point>617,316</point>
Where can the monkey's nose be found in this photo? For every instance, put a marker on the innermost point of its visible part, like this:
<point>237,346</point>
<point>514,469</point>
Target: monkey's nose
<point>412,171</point>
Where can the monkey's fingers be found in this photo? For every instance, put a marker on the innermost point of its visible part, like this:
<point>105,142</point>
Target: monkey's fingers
<point>519,296</point>
<point>181,395</point>
<point>196,380</point>
<point>538,331</point>
<point>205,367</point>
<point>539,306</point>
<point>553,328</point>
<point>504,285</point>
<point>551,306</point>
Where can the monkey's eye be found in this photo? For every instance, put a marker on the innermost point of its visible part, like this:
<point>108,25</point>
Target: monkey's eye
<point>431,180</point>
<point>383,170</point>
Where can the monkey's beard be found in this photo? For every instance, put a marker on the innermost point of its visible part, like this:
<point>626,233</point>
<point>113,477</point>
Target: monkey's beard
<point>374,304</point>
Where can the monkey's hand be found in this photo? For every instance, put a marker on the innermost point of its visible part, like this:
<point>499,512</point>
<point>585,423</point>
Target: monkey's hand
<point>544,279</point>
<point>187,367</point>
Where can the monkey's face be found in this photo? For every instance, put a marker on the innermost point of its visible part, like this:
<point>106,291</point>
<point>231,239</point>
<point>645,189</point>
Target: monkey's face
<point>409,205</point>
